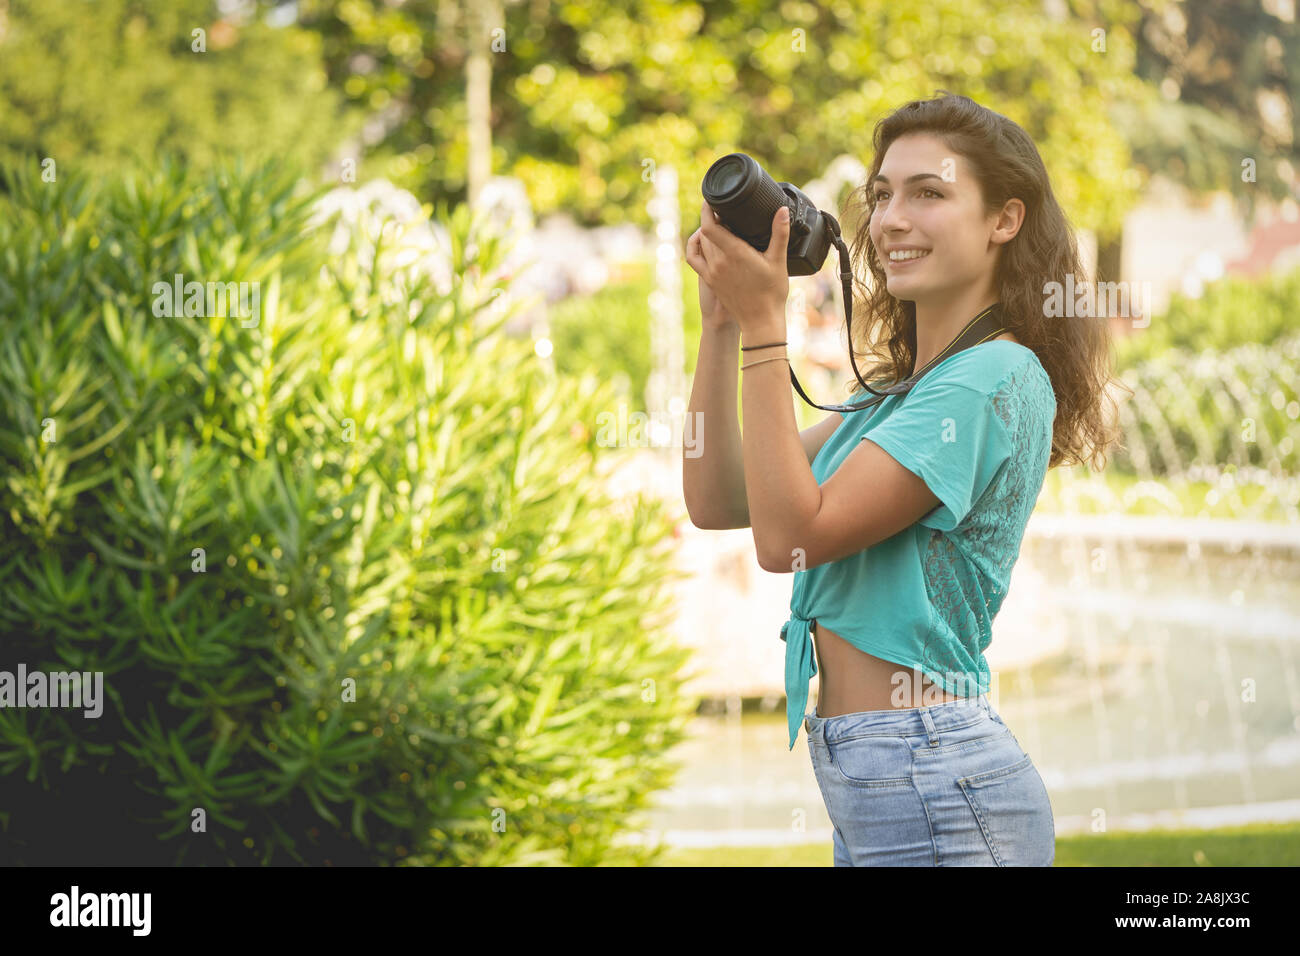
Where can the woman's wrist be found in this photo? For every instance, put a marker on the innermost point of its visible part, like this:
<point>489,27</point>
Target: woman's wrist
<point>764,357</point>
<point>760,334</point>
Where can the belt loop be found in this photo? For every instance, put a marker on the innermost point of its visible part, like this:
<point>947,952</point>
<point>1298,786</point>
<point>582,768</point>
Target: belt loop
<point>813,720</point>
<point>929,726</point>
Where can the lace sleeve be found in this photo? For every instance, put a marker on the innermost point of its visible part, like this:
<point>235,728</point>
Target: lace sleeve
<point>951,436</point>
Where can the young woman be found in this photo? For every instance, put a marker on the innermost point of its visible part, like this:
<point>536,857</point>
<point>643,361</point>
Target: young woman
<point>902,522</point>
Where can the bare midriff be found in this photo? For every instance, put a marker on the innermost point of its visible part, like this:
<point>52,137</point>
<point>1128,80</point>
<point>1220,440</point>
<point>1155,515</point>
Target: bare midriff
<point>850,680</point>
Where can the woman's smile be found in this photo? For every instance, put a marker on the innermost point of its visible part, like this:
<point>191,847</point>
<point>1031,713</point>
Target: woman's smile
<point>910,262</point>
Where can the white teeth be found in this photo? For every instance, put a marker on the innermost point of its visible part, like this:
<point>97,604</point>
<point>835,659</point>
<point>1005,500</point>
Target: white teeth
<point>907,254</point>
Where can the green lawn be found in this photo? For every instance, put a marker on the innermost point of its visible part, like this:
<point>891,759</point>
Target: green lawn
<point>1194,500</point>
<point>1262,844</point>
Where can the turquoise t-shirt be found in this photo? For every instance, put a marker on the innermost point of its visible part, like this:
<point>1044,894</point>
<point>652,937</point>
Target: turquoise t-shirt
<point>977,428</point>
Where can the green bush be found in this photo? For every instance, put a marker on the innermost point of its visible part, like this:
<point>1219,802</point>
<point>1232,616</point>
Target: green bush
<point>1230,312</point>
<point>607,333</point>
<point>1235,408</point>
<point>236,522</point>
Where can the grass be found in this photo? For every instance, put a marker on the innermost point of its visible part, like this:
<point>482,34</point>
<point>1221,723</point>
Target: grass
<point>1190,499</point>
<point>1259,844</point>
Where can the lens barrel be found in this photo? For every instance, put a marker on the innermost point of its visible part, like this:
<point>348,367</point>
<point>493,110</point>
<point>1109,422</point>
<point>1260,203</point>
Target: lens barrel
<point>744,197</point>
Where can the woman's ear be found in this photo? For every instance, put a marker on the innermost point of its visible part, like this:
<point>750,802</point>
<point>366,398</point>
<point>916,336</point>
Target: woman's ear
<point>1009,221</point>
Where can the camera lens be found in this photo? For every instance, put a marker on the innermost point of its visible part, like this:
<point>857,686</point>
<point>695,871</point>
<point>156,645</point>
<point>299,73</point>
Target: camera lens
<point>726,178</point>
<point>744,196</point>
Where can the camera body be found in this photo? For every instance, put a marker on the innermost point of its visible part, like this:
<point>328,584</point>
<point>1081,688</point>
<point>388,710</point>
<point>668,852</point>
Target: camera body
<point>746,199</point>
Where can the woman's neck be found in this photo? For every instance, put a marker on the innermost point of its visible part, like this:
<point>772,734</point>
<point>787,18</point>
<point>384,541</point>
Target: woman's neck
<point>938,325</point>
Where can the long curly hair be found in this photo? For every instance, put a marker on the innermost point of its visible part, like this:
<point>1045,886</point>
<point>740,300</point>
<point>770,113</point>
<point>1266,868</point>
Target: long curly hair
<point>1075,353</point>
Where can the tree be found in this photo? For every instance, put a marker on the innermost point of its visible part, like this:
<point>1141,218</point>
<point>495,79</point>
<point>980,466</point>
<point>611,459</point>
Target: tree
<point>1218,113</point>
<point>589,98</point>
<point>1228,72</point>
<point>115,82</point>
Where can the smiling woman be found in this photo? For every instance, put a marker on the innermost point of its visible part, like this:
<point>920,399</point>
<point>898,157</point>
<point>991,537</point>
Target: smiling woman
<point>902,522</point>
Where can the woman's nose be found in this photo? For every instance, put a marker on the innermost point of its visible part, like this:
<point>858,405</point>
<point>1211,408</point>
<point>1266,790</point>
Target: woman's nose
<point>893,219</point>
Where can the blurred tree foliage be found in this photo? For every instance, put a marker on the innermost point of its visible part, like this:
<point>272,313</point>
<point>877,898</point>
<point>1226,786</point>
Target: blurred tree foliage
<point>1230,312</point>
<point>605,333</point>
<point>590,97</point>
<point>1227,74</point>
<point>99,83</point>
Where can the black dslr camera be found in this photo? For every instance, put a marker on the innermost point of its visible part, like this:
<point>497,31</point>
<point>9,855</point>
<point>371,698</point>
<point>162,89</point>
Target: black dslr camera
<point>746,198</point>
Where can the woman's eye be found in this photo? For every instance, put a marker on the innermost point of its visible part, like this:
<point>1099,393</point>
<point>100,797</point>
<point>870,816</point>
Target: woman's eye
<point>881,195</point>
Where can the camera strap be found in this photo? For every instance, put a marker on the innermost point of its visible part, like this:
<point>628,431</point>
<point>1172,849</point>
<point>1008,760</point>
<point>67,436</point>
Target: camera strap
<point>985,326</point>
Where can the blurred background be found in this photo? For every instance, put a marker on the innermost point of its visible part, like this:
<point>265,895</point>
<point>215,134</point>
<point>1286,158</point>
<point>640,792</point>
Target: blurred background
<point>433,446</point>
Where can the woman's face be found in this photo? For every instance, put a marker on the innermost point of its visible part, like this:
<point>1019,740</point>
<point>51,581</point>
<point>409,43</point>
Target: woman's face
<point>941,214</point>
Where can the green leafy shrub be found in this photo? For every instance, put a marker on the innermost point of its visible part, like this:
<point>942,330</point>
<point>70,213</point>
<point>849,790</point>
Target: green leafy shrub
<point>1230,312</point>
<point>1198,408</point>
<point>607,333</point>
<point>243,524</point>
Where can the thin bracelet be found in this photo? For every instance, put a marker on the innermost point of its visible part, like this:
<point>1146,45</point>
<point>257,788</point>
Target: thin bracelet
<point>746,348</point>
<point>779,358</point>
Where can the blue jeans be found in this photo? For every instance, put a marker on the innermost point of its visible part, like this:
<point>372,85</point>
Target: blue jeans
<point>945,785</point>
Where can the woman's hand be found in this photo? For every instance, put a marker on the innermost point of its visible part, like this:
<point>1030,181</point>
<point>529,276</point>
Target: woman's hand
<point>750,287</point>
<point>712,314</point>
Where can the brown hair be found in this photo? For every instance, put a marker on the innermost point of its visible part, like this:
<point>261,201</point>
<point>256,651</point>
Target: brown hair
<point>1075,353</point>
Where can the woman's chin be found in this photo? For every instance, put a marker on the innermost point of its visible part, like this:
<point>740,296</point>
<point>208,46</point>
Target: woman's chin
<point>900,288</point>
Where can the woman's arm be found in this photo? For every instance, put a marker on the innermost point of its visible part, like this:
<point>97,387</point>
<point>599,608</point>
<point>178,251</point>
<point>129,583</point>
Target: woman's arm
<point>713,457</point>
<point>713,466</point>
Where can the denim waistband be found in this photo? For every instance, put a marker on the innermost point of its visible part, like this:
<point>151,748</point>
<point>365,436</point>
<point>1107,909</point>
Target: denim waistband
<point>947,715</point>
